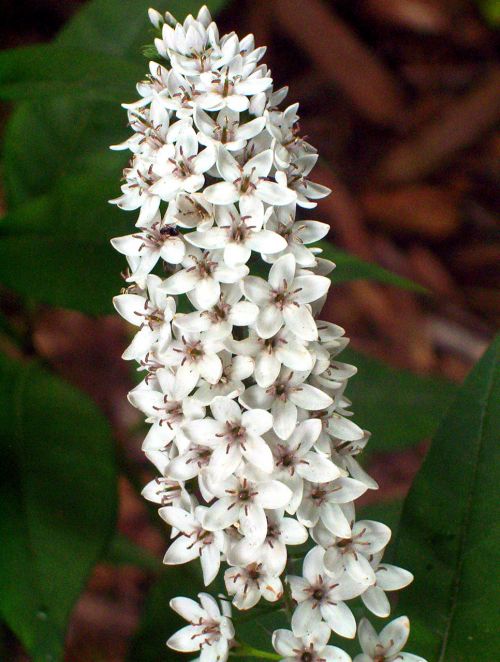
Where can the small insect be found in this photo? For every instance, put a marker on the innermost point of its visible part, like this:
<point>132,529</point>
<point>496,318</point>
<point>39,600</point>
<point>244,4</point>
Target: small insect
<point>169,230</point>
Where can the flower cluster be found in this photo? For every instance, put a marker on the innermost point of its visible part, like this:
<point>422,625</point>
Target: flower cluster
<point>250,429</point>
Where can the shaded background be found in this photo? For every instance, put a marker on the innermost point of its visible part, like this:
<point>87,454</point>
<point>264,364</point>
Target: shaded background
<point>402,100</point>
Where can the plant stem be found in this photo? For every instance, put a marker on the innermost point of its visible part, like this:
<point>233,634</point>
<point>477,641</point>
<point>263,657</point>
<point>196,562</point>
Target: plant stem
<point>244,650</point>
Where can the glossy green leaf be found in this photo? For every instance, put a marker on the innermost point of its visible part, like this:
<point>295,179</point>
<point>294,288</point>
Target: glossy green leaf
<point>350,267</point>
<point>33,72</point>
<point>49,138</point>
<point>399,407</point>
<point>55,249</point>
<point>57,505</point>
<point>449,530</point>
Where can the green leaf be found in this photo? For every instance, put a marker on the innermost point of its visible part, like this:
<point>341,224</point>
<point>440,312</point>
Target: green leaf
<point>55,248</point>
<point>350,267</point>
<point>449,530</point>
<point>44,141</point>
<point>58,502</point>
<point>49,138</point>
<point>491,11</point>
<point>47,71</point>
<point>399,407</point>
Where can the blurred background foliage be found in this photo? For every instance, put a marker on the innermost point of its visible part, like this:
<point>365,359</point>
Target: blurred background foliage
<point>402,98</point>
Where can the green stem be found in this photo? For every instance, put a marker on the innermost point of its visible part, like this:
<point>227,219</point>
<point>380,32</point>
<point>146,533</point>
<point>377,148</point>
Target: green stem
<point>244,650</point>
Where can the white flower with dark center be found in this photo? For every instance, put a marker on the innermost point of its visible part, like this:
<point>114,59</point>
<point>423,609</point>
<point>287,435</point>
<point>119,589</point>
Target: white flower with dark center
<point>309,648</point>
<point>210,630</point>
<point>166,492</point>
<point>281,531</point>
<point>193,541</point>
<point>137,192</point>
<point>296,461</point>
<point>319,597</point>
<point>234,370</point>
<point>194,356</point>
<point>270,354</point>
<point>297,234</point>
<point>233,435</point>
<point>353,553</point>
<point>295,178</point>
<point>283,299</point>
<point>231,86</point>
<point>180,167</point>
<point>386,646</point>
<point>152,312</point>
<point>205,272</point>
<point>288,392</point>
<point>387,578</point>
<point>178,95</point>
<point>249,583</point>
<point>344,453</point>
<point>323,501</point>
<point>218,320</point>
<point>243,499</point>
<point>248,184</point>
<point>167,406</point>
<point>149,245</point>
<point>226,129</point>
<point>190,210</point>
<point>238,236</point>
<point>192,461</point>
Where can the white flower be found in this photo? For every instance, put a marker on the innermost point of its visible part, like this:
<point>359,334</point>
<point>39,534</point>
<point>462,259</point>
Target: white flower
<point>209,631</point>
<point>167,406</point>
<point>165,492</point>
<point>270,354</point>
<point>230,87</point>
<point>193,541</point>
<point>241,499</point>
<point>387,578</point>
<point>353,553</point>
<point>137,192</point>
<point>233,435</point>
<point>288,392</point>
<point>312,647</point>
<point>297,234</point>
<point>283,299</point>
<point>238,237</point>
<point>387,646</point>
<point>218,320</point>
<point>295,178</point>
<point>149,245</point>
<point>205,272</point>
<point>323,501</point>
<point>320,597</point>
<point>152,311</point>
<point>248,184</point>
<point>248,584</point>
<point>194,356</point>
<point>180,167</point>
<point>226,129</point>
<point>296,461</point>
<point>272,553</point>
<point>234,370</point>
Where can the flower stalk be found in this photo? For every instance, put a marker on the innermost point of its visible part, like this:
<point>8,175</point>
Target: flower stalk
<point>250,429</point>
